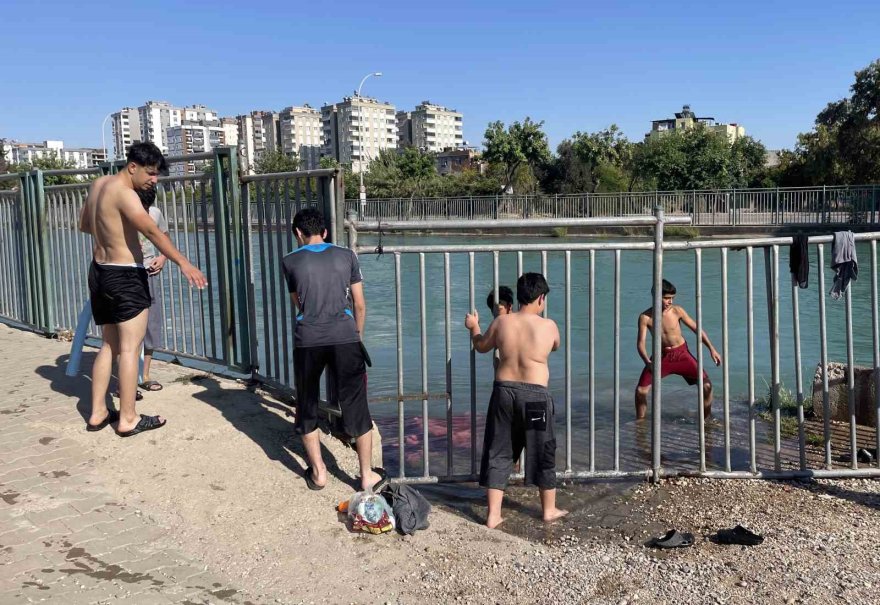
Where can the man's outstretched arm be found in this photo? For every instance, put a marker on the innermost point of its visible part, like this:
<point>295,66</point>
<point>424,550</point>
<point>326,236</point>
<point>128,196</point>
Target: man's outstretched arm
<point>483,343</point>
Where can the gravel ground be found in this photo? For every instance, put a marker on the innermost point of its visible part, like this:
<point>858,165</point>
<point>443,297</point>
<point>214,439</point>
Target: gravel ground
<point>821,545</point>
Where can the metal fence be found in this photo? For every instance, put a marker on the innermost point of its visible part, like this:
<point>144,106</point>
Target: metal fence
<point>780,457</point>
<point>726,207</point>
<point>238,229</point>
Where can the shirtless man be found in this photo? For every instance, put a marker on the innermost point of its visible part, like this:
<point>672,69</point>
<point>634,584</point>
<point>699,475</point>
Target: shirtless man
<point>118,284</point>
<point>521,410</point>
<point>676,358</point>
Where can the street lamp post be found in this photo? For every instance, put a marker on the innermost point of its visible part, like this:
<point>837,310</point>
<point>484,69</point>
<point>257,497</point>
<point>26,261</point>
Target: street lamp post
<point>103,138</point>
<point>362,191</point>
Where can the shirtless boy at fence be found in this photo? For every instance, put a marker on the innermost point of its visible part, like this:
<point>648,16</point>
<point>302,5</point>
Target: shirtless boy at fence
<point>675,358</point>
<point>521,411</point>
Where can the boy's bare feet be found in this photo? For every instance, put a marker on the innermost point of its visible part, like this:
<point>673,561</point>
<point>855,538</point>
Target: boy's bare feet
<point>554,514</point>
<point>370,480</point>
<point>494,521</point>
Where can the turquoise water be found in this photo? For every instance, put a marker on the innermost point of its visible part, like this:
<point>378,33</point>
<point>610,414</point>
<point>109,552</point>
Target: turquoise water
<point>679,399</point>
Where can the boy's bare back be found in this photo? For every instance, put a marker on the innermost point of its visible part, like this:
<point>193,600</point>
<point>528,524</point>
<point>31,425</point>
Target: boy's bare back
<point>524,342</point>
<point>115,238</point>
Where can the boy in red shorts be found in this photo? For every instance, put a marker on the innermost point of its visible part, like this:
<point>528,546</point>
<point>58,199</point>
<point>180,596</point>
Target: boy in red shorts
<point>676,358</point>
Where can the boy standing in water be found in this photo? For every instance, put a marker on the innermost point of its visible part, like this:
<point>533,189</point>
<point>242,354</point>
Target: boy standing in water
<point>521,409</point>
<point>676,358</point>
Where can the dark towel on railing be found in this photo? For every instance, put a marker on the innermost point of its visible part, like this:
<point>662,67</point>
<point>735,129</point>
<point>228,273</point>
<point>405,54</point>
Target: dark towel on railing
<point>799,260</point>
<point>844,262</point>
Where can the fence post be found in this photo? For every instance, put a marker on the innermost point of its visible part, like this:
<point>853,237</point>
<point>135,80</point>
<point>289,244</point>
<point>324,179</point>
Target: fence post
<point>733,219</point>
<point>656,411</point>
<point>824,204</point>
<point>36,252</point>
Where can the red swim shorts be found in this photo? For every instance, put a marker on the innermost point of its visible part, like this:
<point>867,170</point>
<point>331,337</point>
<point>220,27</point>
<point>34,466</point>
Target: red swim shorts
<point>675,360</point>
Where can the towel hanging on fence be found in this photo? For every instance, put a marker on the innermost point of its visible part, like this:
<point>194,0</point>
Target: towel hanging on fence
<point>844,262</point>
<point>799,260</point>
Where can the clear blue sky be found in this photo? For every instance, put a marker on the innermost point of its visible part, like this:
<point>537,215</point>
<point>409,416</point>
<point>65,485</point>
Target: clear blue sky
<point>577,65</point>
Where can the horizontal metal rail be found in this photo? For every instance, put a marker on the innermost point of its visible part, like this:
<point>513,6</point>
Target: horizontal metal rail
<point>604,221</point>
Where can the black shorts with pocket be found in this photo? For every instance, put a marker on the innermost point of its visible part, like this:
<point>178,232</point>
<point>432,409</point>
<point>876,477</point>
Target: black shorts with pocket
<point>347,369</point>
<point>520,416</point>
<point>118,292</point>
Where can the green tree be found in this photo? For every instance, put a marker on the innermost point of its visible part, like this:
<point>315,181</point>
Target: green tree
<point>522,144</point>
<point>49,162</point>
<point>595,150</point>
<point>844,145</point>
<point>276,161</point>
<point>696,158</point>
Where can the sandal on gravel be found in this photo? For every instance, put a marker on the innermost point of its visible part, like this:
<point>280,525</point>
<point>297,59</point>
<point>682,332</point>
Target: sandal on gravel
<point>673,539</point>
<point>866,455</point>
<point>383,481</point>
<point>738,535</point>
<point>146,423</point>
<point>310,481</point>
<point>137,395</point>
<point>112,416</point>
<point>151,385</point>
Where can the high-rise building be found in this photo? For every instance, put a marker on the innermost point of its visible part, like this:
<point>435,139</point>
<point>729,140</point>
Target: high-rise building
<point>431,127</point>
<point>358,129</point>
<point>302,134</point>
<point>258,132</point>
<point>126,130</point>
<point>156,117</point>
<point>686,119</point>
<point>199,113</point>
<point>230,129</point>
<point>190,138</point>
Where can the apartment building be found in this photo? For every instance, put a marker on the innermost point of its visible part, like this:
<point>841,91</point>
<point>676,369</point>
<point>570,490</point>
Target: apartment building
<point>302,135</point>
<point>126,126</point>
<point>686,119</point>
<point>156,117</point>
<point>357,129</point>
<point>430,127</point>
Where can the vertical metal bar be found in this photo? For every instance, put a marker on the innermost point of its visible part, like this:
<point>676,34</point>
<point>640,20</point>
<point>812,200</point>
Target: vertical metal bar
<point>495,278</point>
<point>448,322</point>
<point>774,345</point>
<point>544,273</point>
<point>725,366</point>
<point>209,256</point>
<point>271,276</point>
<point>592,362</point>
<point>189,291</point>
<point>796,328</point>
<point>750,327</point>
<point>567,361</point>
<point>656,409</point>
<point>876,339</point>
<point>401,417</point>
<point>262,192</point>
<point>850,380</point>
<point>173,227</point>
<point>284,231</point>
<point>519,264</point>
<point>423,314</point>
<point>473,369</point>
<point>617,360</point>
<point>701,413</point>
<point>823,353</point>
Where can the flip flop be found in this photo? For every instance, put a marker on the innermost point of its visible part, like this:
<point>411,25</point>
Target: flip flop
<point>383,481</point>
<point>673,539</point>
<point>151,385</point>
<point>112,416</point>
<point>310,481</point>
<point>137,395</point>
<point>738,535</point>
<point>146,423</point>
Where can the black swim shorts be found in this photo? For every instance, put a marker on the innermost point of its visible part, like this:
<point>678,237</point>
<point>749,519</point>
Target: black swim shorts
<point>118,292</point>
<point>520,415</point>
<point>347,370</point>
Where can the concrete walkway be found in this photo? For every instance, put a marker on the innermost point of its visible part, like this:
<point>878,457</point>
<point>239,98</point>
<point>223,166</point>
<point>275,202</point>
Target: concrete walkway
<point>63,536</point>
